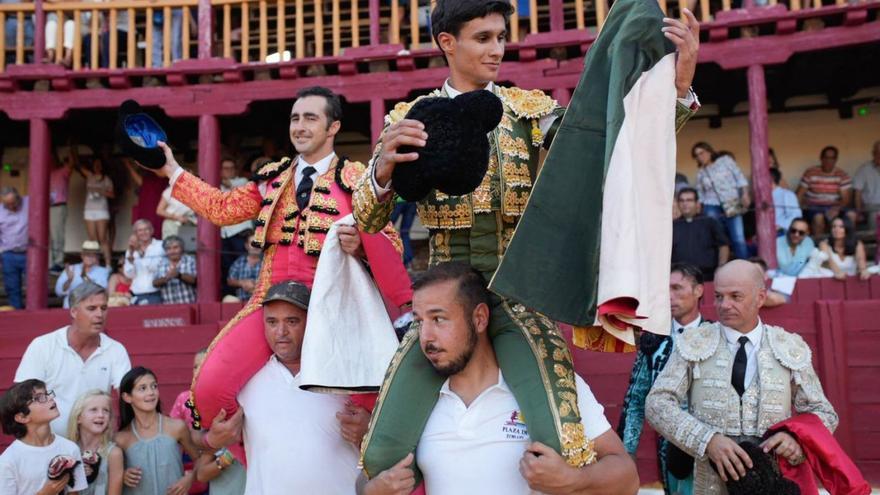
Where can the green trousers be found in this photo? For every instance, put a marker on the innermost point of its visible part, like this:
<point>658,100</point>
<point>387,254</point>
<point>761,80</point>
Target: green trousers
<point>536,364</point>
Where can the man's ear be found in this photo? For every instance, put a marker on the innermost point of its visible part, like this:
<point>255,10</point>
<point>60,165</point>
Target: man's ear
<point>480,317</point>
<point>447,43</point>
<point>698,290</point>
<point>334,128</point>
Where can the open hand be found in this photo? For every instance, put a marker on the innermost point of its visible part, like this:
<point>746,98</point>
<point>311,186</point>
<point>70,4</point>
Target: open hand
<point>407,132</point>
<point>783,444</point>
<point>398,480</point>
<point>354,421</point>
<point>131,477</point>
<point>685,35</point>
<point>729,458</point>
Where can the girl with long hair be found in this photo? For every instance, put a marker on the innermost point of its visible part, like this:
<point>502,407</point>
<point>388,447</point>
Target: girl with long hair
<point>151,441</point>
<point>91,427</point>
<point>96,212</point>
<point>724,193</point>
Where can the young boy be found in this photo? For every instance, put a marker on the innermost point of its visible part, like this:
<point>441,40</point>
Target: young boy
<point>26,410</point>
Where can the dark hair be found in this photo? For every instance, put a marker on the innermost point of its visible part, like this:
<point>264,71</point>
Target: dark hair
<point>685,190</point>
<point>775,160</point>
<point>171,239</point>
<point>706,146</point>
<point>450,15</point>
<point>849,240</point>
<point>333,110</point>
<point>829,148</point>
<point>799,219</point>
<point>758,261</point>
<point>17,400</point>
<point>126,412</point>
<point>776,174</point>
<point>688,270</point>
<point>472,289</point>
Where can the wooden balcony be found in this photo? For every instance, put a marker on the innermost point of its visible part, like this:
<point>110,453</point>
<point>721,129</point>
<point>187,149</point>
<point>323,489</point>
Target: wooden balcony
<point>252,32</point>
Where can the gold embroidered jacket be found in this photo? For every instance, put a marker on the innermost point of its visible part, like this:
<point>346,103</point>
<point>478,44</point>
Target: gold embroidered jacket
<point>698,373</point>
<point>513,165</point>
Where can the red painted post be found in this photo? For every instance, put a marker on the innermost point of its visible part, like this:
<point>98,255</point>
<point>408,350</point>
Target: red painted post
<point>762,185</point>
<point>557,21</point>
<point>38,215</point>
<point>40,32</point>
<point>377,118</point>
<point>208,253</point>
<point>205,30</point>
<point>374,22</point>
<point>562,95</point>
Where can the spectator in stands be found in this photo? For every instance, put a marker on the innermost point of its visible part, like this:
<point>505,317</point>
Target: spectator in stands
<point>846,254</point>
<point>867,186</point>
<point>282,421</point>
<point>89,270</point>
<point>233,238</point>
<point>825,192</point>
<point>96,210</point>
<point>774,298</point>
<point>174,213</point>
<point>148,189</point>
<point>774,164</point>
<point>243,274</point>
<point>151,441</point>
<point>59,182</point>
<point>724,192</point>
<point>696,239</point>
<point>51,34</point>
<point>176,273</point>
<point>26,410</point>
<point>78,357</point>
<point>793,250</point>
<point>785,203</point>
<point>13,242</point>
<point>91,427</point>
<point>12,32</point>
<point>732,379</point>
<point>141,263</point>
<point>685,293</point>
<point>119,286</point>
<point>176,36</point>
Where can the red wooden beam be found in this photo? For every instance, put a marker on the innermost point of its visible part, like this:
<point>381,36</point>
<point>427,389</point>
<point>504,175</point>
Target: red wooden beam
<point>374,22</point>
<point>208,255</point>
<point>762,185</point>
<point>40,32</point>
<point>557,21</point>
<point>205,29</point>
<point>38,215</point>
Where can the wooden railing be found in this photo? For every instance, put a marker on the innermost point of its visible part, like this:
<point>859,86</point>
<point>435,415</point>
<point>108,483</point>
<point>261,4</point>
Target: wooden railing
<point>257,31</point>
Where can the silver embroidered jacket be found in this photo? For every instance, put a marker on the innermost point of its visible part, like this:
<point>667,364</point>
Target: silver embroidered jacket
<point>698,372</point>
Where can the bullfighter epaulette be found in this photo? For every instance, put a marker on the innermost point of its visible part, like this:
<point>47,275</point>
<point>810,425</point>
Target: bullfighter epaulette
<point>272,170</point>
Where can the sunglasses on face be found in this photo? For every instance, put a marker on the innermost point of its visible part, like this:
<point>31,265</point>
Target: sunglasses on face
<point>797,232</point>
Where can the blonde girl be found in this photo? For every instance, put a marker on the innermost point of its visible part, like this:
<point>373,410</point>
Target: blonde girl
<point>91,427</point>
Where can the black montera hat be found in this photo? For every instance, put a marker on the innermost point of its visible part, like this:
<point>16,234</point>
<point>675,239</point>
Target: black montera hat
<point>456,156</point>
<point>763,479</point>
<point>138,134</point>
<point>292,292</point>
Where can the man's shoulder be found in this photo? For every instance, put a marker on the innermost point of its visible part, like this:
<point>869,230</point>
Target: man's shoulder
<point>65,446</point>
<point>788,348</point>
<point>698,344</point>
<point>271,170</point>
<point>51,338</point>
<point>112,345</point>
<point>526,103</point>
<point>349,173</point>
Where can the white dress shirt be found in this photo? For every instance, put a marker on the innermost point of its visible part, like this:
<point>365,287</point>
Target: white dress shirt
<point>321,167</point>
<point>678,328</point>
<point>732,336</point>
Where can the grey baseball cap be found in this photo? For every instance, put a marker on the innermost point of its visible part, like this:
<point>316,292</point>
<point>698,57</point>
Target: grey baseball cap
<point>292,292</point>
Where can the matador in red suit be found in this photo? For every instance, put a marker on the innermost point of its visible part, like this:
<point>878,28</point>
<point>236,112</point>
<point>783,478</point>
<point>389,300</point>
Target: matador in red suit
<point>293,203</point>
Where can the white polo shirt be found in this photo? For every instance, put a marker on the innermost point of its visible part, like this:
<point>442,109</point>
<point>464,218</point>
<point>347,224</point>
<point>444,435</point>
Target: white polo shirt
<point>50,358</point>
<point>477,449</point>
<point>292,437</point>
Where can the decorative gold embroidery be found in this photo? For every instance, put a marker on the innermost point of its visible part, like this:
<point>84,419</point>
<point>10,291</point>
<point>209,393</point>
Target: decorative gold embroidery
<point>537,135</point>
<point>371,215</point>
<point>506,123</point>
<point>514,202</point>
<point>313,245</point>
<point>319,223</point>
<point>440,251</point>
<point>219,207</point>
<point>323,185</point>
<point>446,217</point>
<point>324,204</point>
<point>528,104</point>
<point>576,448</point>
<point>516,174</point>
<point>271,200</point>
<point>511,146</point>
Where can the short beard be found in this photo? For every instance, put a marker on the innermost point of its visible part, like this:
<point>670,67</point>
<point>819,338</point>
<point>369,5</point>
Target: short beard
<point>464,358</point>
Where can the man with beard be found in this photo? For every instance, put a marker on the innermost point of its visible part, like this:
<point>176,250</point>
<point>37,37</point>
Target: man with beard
<point>476,429</point>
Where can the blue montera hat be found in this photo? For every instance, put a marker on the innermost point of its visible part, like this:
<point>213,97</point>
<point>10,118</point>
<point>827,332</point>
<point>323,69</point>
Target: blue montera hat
<point>138,135</point>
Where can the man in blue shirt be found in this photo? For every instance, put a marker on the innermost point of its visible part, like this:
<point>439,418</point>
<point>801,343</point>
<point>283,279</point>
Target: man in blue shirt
<point>785,203</point>
<point>793,250</point>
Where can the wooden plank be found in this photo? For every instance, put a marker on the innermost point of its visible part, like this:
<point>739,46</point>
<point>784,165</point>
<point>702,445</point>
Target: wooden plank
<point>319,28</point>
<point>579,14</point>
<point>705,16</point>
<point>300,30</point>
<point>245,33</point>
<point>59,37</point>
<point>514,23</point>
<point>166,37</point>
<point>130,42</point>
<point>414,25</point>
<point>394,26</point>
<point>355,24</point>
<point>264,31</point>
<point>148,51</point>
<point>227,31</point>
<point>185,33</point>
<point>533,16</point>
<point>601,12</point>
<point>280,33</point>
<point>77,40</point>
<point>2,41</point>
<point>337,39</point>
<point>19,39</point>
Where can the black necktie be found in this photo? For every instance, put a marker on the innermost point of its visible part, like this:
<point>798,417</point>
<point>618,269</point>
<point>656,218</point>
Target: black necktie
<point>738,377</point>
<point>304,189</point>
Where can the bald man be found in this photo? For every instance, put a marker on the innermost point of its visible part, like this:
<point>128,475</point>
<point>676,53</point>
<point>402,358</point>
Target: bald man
<point>730,381</point>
